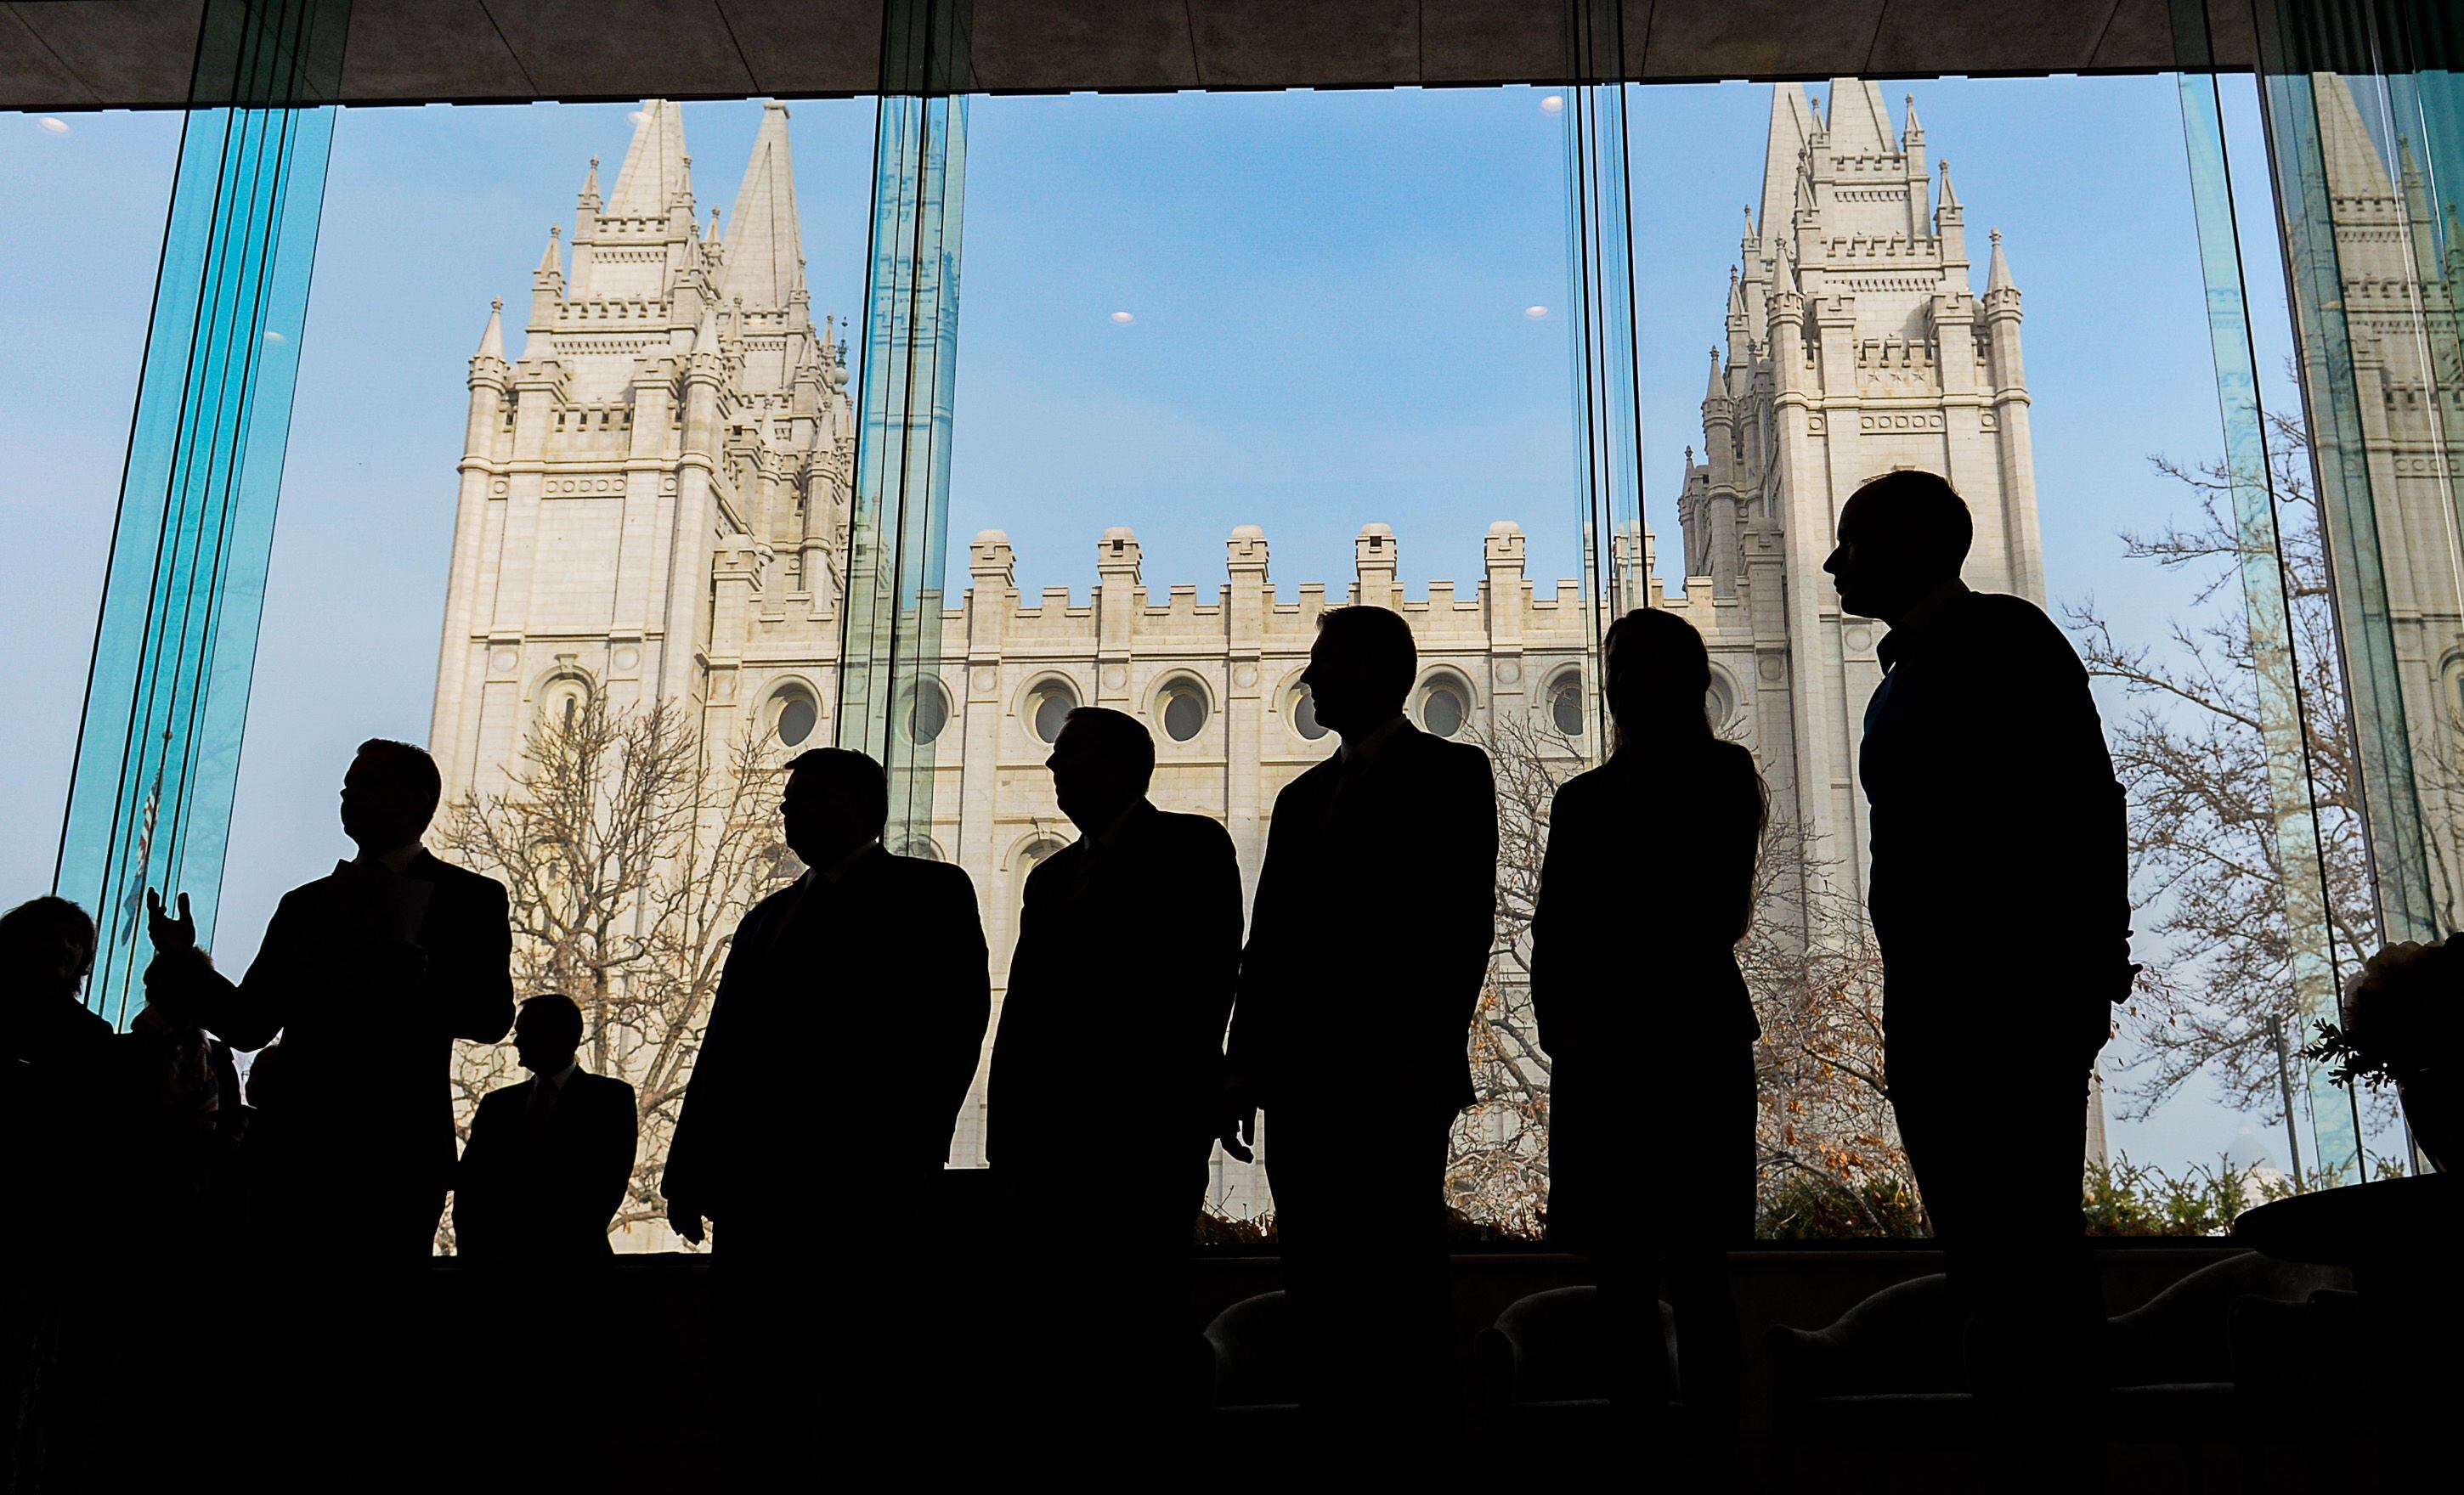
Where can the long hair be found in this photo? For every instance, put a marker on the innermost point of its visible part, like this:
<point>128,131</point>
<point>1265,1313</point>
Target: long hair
<point>1685,666</point>
<point>1678,720</point>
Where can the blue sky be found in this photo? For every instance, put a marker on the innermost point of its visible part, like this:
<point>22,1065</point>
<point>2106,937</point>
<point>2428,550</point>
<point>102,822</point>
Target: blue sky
<point>1328,300</point>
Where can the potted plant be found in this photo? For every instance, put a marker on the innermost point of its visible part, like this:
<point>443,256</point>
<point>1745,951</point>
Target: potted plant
<point>2404,1024</point>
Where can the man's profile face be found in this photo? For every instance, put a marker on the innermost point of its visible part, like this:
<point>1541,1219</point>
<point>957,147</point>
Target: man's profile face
<point>544,1041</point>
<point>374,815</point>
<point>1340,684</point>
<point>1078,779</point>
<point>1869,566</point>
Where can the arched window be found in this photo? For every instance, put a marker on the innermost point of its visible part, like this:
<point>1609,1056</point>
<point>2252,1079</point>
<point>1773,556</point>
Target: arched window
<point>1049,707</point>
<point>563,703</point>
<point>1566,704</point>
<point>793,715</point>
<point>1303,715</point>
<point>1445,707</point>
<point>1182,709</point>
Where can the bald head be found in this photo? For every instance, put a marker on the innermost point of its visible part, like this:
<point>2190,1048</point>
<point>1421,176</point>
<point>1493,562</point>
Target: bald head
<point>1901,537</point>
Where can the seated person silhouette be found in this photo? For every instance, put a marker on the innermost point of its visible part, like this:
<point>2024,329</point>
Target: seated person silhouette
<point>1128,944</point>
<point>1369,942</point>
<point>2001,898</point>
<point>847,1026</point>
<point>1634,973</point>
<point>549,1157</point>
<point>369,974</point>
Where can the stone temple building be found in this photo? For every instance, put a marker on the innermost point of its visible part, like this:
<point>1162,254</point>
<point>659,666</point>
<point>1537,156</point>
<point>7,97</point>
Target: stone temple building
<point>654,500</point>
<point>2398,301</point>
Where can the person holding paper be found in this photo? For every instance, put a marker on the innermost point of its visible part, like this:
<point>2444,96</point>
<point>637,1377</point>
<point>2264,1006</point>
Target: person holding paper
<point>368,975</point>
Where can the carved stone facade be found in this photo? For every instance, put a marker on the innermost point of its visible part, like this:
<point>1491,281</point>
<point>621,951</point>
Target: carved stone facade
<point>655,504</point>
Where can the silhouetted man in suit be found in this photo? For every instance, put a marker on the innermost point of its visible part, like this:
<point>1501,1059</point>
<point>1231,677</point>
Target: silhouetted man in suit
<point>1368,943</point>
<point>369,974</point>
<point>847,1026</point>
<point>550,1156</point>
<point>1128,948</point>
<point>544,1171</point>
<point>2000,899</point>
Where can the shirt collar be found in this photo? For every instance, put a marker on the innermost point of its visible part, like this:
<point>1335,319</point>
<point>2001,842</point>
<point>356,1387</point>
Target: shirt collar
<point>557,1082</point>
<point>1104,838</point>
<point>836,872</point>
<point>1367,749</point>
<point>1920,622</point>
<point>396,860</point>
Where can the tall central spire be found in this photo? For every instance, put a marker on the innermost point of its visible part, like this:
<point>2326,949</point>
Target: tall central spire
<point>654,164</point>
<point>764,241</point>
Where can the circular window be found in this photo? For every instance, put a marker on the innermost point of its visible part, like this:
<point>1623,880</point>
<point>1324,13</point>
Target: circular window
<point>928,712</point>
<point>1442,708</point>
<point>1305,715</point>
<point>1183,710</point>
<point>794,713</point>
<point>1049,707</point>
<point>1717,705</point>
<point>1566,706</point>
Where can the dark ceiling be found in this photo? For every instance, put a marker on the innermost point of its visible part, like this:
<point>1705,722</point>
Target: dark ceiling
<point>97,54</point>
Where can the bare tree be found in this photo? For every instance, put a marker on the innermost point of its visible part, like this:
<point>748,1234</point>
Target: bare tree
<point>2218,855</point>
<point>1817,979</point>
<point>629,851</point>
<point>1496,1166</point>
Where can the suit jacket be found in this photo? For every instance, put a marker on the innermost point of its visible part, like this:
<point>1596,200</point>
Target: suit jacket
<point>1628,946</point>
<point>856,1006</point>
<point>2001,848</point>
<point>1370,935</point>
<point>366,1060</point>
<point>1118,993</point>
<point>551,1199</point>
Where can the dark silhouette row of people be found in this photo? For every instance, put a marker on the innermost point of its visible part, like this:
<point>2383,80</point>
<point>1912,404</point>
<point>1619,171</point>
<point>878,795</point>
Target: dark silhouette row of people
<point>1140,1028</point>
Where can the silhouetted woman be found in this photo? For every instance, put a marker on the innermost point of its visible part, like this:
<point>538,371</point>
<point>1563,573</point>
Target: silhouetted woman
<point>1645,890</point>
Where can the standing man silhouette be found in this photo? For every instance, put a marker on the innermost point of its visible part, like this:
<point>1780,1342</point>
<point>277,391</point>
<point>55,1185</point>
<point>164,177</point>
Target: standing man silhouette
<point>368,975</point>
<point>2001,902</point>
<point>1128,948</point>
<point>846,1028</point>
<point>1369,940</point>
<point>549,1156</point>
<point>545,1170</point>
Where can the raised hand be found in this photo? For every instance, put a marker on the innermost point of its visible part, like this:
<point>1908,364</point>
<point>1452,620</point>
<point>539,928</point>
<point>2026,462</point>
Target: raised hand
<point>171,936</point>
<point>1238,1117</point>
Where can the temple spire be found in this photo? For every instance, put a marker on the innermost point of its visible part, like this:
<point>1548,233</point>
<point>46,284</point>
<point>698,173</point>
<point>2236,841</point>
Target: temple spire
<point>552,259</point>
<point>1718,387</point>
<point>1949,199</point>
<point>590,187</point>
<point>1997,276</point>
<point>491,342</point>
<point>654,174</point>
<point>763,264</point>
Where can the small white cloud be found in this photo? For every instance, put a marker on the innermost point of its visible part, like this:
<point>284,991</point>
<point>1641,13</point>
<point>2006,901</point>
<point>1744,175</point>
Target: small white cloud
<point>1554,103</point>
<point>1535,313</point>
<point>272,336</point>
<point>51,124</point>
<point>1123,318</point>
<point>637,117</point>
